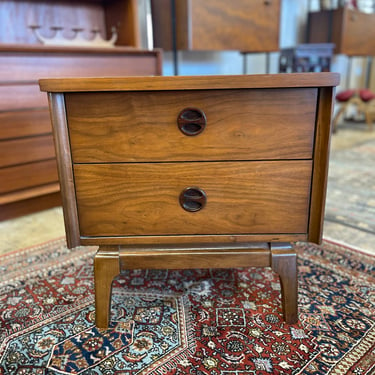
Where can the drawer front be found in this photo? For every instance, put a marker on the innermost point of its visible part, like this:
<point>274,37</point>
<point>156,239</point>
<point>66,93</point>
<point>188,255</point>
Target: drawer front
<point>28,175</point>
<point>253,124</point>
<point>242,198</point>
<point>19,124</point>
<point>26,150</point>
<point>16,97</point>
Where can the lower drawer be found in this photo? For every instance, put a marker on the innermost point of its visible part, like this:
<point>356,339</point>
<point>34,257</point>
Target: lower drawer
<point>28,175</point>
<point>241,198</point>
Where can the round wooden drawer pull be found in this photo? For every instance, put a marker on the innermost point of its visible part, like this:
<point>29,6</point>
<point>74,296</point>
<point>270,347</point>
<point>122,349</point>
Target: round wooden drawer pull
<point>193,199</point>
<point>191,121</point>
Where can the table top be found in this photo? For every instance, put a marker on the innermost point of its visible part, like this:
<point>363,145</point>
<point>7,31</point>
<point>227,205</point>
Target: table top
<point>157,83</point>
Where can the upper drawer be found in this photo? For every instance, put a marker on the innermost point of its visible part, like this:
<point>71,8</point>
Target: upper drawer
<point>240,125</point>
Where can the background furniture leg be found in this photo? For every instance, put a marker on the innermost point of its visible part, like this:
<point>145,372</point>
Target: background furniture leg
<point>337,117</point>
<point>106,268</point>
<point>284,262</point>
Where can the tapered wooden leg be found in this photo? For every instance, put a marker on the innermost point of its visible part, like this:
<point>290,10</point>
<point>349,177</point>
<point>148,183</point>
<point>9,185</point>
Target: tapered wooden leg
<point>106,268</point>
<point>284,262</point>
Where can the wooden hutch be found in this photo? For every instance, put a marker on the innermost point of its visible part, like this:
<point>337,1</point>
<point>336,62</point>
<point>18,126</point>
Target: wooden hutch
<point>28,174</point>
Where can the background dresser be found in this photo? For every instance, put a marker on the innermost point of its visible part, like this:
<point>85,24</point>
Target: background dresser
<point>183,172</point>
<point>28,174</point>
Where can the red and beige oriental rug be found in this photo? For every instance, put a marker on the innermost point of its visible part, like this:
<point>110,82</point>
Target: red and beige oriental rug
<point>198,322</point>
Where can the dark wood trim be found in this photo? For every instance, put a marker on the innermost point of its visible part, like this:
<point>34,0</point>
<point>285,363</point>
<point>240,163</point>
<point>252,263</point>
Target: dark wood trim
<point>320,167</point>
<point>64,167</point>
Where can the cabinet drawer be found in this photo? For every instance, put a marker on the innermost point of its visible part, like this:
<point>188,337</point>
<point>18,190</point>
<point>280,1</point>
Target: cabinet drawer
<point>19,124</point>
<point>28,175</point>
<point>250,124</point>
<point>26,150</point>
<point>242,198</point>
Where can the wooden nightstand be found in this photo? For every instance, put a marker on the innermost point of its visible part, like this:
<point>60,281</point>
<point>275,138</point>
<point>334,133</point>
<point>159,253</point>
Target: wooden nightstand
<point>185,172</point>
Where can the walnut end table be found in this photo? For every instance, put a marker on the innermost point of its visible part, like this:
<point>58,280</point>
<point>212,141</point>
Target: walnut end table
<point>193,172</point>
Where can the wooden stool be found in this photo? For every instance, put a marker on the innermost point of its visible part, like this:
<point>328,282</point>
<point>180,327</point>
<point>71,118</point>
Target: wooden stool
<point>362,99</point>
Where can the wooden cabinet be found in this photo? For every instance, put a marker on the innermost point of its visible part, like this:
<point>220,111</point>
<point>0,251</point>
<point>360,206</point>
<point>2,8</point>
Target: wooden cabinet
<point>17,16</point>
<point>350,30</point>
<point>28,173</point>
<point>244,25</point>
<point>235,170</point>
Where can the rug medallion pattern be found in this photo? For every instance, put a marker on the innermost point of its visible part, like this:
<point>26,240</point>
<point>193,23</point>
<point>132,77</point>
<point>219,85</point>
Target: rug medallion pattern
<point>198,322</point>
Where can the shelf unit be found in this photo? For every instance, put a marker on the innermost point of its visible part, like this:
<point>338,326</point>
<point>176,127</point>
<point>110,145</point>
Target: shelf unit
<point>243,25</point>
<point>350,30</point>
<point>16,17</point>
<point>28,171</point>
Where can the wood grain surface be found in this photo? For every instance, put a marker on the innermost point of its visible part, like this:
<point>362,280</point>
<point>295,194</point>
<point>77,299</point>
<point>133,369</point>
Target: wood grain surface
<point>64,168</point>
<point>19,66</point>
<point>241,125</point>
<point>17,16</point>
<point>191,82</point>
<point>26,150</point>
<point>21,96</point>
<point>237,25</point>
<point>242,197</point>
<point>217,25</point>
<point>27,175</point>
<point>348,29</point>
<point>18,124</point>
<point>321,161</point>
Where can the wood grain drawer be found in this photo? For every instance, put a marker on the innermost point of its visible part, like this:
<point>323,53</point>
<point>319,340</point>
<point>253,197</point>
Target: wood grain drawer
<point>26,150</point>
<point>241,125</point>
<point>242,197</point>
<point>28,175</point>
<point>19,124</point>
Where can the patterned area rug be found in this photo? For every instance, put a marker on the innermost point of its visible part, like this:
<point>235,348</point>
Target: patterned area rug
<point>218,322</point>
